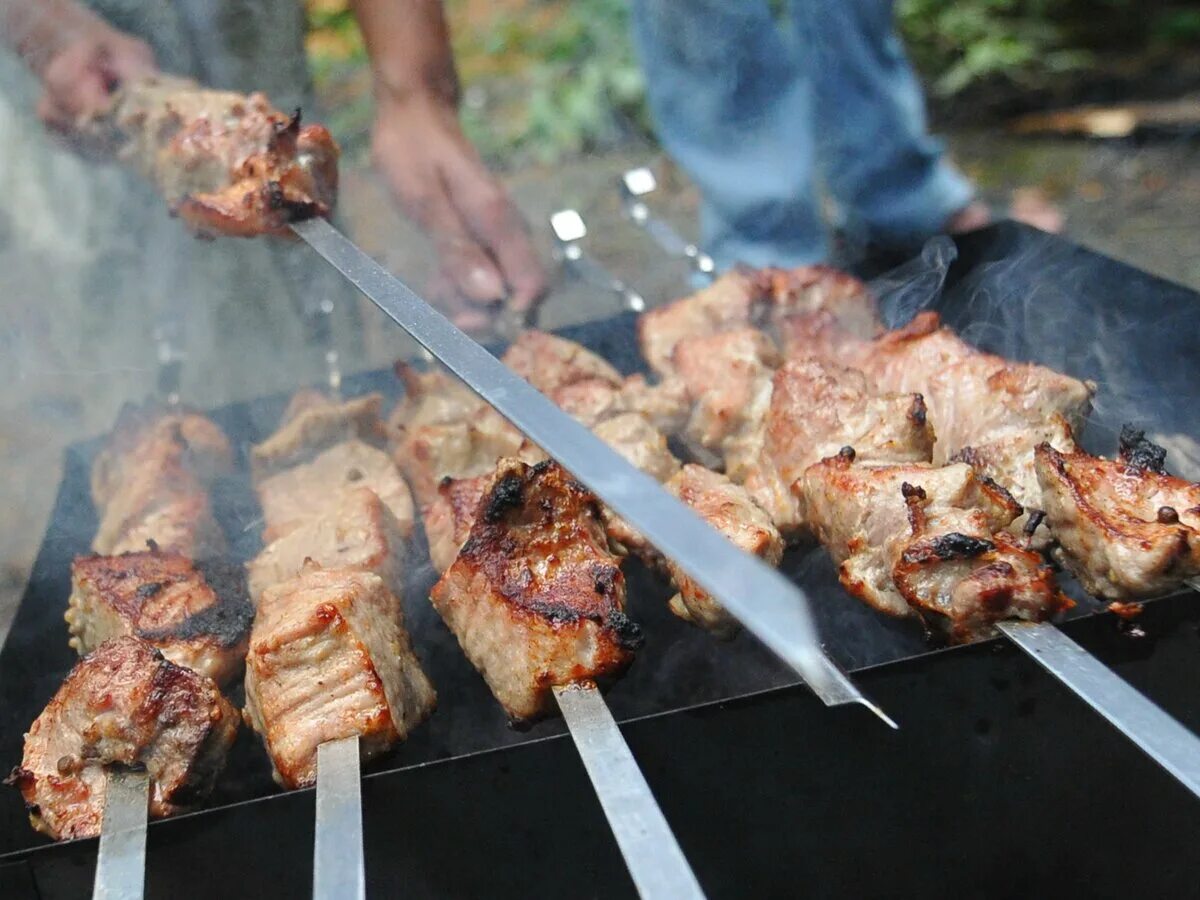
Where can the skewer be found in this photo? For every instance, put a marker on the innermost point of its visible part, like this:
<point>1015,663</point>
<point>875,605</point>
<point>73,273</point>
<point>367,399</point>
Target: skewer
<point>655,861</point>
<point>339,872</point>
<point>121,861</point>
<point>636,185</point>
<point>569,229</point>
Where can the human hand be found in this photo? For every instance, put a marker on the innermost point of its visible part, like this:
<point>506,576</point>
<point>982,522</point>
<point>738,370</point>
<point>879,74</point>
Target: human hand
<point>485,256</point>
<point>82,69</point>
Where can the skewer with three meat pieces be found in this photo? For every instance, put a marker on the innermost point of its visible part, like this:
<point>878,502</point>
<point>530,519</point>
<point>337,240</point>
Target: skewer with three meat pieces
<point>140,721</point>
<point>531,588</point>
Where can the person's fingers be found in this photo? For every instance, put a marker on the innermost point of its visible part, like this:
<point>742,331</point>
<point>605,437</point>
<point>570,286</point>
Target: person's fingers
<point>130,59</point>
<point>75,84</point>
<point>494,222</point>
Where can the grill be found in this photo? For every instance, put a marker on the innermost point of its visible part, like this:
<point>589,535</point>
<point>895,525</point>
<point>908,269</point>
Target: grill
<point>989,788</point>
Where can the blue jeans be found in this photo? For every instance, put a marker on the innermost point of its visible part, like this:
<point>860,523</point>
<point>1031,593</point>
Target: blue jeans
<point>759,112</point>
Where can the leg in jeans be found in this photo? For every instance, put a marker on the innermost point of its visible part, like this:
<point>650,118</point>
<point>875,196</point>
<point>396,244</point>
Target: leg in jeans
<point>889,177</point>
<point>734,109</point>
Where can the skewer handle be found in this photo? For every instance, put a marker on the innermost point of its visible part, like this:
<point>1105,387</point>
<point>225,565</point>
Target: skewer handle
<point>339,872</point>
<point>1162,738</point>
<point>569,229</point>
<point>121,862</point>
<point>636,185</point>
<point>656,863</point>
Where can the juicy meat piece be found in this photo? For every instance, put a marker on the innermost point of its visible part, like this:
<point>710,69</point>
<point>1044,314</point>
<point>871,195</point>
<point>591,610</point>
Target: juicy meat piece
<point>928,541</point>
<point>535,597</point>
<point>821,291</point>
<point>815,410</point>
<point>644,446</point>
<point>123,705</point>
<point>330,658</point>
<point>731,302</point>
<point>730,510</point>
<point>151,434</point>
<point>593,400</point>
<point>226,163</point>
<point>314,422</point>
<point>359,532</point>
<point>428,454</point>
<point>196,614</point>
<point>728,377</point>
<point>449,518</point>
<point>1126,531</point>
<point>549,362</point>
<point>293,497</point>
<point>151,480</point>
<point>434,398</point>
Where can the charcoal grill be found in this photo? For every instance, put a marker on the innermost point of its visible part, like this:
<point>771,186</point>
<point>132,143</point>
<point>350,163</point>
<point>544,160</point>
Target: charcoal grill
<point>999,781</point>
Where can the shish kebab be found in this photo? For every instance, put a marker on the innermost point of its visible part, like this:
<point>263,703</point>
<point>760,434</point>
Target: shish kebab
<point>231,165</point>
<point>916,516</point>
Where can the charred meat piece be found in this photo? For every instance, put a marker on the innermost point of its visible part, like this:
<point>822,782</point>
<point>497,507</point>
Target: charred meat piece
<point>358,532</point>
<point>815,410</point>
<point>549,362</point>
<point>226,163</point>
<point>123,705</point>
<point>291,498</point>
<point>330,658</point>
<point>314,422</point>
<point>535,597</point>
<point>196,614</point>
<point>1126,530</point>
<point>928,541</point>
<point>730,510</point>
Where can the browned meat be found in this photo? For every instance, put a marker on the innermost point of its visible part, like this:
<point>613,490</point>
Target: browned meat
<point>730,510</point>
<point>838,297</point>
<point>358,532</point>
<point>433,398</point>
<point>428,454</point>
<point>123,705</point>
<point>535,597</point>
<point>549,362</point>
<point>643,445</point>
<point>291,498</point>
<point>815,410</point>
<point>666,405</point>
<point>728,377</point>
<point>314,422</point>
<point>984,409</point>
<point>197,614</point>
<point>330,658</point>
<point>150,482</point>
<point>1125,528</point>
<point>226,163</point>
<point>731,302</point>
<point>928,541</point>
<point>448,519</point>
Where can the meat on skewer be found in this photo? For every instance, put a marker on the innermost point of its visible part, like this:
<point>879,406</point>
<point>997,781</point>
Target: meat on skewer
<point>314,422</point>
<point>928,541</point>
<point>226,163</point>
<point>535,596</point>
<point>1125,528</point>
<point>196,614</point>
<point>330,658</point>
<point>123,705</point>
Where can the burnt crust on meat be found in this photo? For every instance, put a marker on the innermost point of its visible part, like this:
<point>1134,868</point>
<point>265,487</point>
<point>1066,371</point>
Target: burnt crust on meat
<point>1139,452</point>
<point>535,596</point>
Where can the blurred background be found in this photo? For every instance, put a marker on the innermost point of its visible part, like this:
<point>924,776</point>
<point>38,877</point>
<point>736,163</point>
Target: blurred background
<point>1093,105</point>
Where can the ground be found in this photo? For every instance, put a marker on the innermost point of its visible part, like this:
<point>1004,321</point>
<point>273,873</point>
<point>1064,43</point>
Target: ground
<point>1134,201</point>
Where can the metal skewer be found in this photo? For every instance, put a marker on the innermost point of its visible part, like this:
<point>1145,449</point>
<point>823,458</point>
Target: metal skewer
<point>569,230</point>
<point>654,858</point>
<point>339,871</point>
<point>121,861</point>
<point>636,186</point>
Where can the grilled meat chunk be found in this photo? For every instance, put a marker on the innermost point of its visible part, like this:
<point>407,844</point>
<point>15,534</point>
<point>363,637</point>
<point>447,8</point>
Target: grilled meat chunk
<point>291,498</point>
<point>665,405</point>
<point>549,362</point>
<point>834,296</point>
<point>535,597</point>
<point>123,705</point>
<point>330,658</point>
<point>226,163</point>
<point>314,422</point>
<point>814,411</point>
<point>729,509</point>
<point>635,438</point>
<point>196,614</point>
<point>448,520</point>
<point>358,532</point>
<point>928,541</point>
<point>1125,530</point>
<point>728,377</point>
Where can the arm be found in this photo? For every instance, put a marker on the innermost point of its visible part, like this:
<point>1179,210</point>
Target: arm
<point>483,246</point>
<point>80,59</point>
